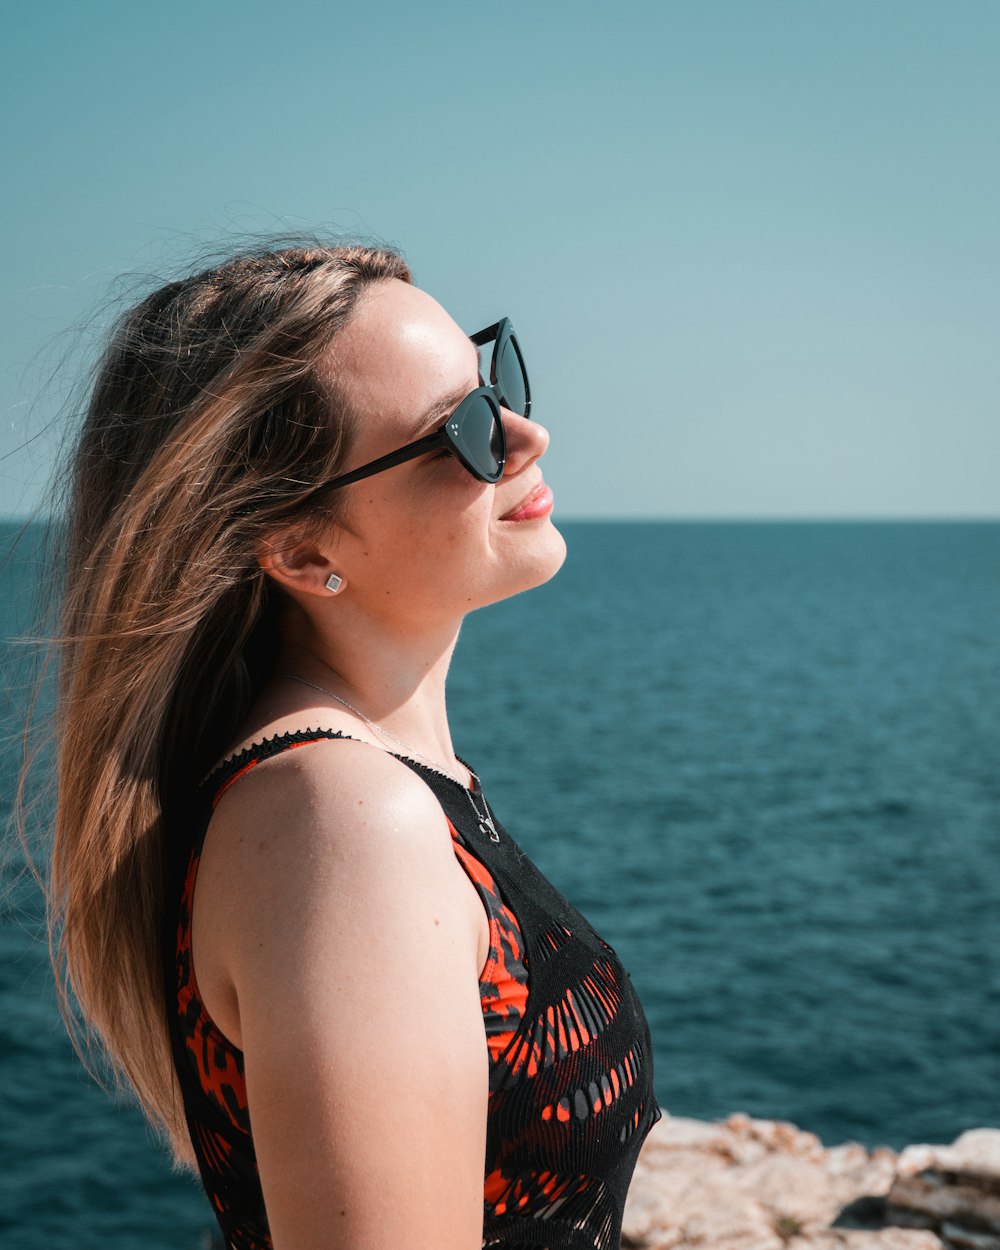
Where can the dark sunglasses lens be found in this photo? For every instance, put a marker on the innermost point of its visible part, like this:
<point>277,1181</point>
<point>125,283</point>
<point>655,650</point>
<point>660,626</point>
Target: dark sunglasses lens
<point>512,378</point>
<point>498,452</point>
<point>476,432</point>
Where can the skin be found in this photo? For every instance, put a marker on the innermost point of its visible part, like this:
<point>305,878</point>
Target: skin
<point>329,902</point>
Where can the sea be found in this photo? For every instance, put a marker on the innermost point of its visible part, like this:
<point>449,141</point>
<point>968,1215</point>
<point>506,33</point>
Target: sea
<point>762,758</point>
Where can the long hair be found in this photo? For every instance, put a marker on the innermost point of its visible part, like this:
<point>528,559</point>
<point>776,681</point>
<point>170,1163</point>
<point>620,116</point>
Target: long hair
<point>208,423</point>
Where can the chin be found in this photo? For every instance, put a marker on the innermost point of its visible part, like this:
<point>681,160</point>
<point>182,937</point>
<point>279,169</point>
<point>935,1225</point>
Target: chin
<point>553,557</point>
<point>540,559</point>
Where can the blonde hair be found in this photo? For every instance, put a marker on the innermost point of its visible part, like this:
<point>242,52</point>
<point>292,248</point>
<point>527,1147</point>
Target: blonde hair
<point>207,426</point>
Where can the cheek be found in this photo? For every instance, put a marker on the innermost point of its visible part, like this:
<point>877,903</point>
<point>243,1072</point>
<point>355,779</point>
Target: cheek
<point>455,509</point>
<point>442,531</point>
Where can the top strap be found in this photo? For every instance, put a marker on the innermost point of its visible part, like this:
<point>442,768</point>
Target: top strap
<point>235,766</point>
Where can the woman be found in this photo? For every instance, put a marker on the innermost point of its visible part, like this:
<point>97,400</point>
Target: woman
<point>329,974</point>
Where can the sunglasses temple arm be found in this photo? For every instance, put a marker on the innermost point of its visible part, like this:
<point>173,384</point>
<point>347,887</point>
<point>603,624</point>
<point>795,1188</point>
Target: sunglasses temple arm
<point>409,452</point>
<point>485,336</point>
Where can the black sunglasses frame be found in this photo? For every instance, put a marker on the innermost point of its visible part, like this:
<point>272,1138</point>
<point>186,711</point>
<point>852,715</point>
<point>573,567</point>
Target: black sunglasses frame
<point>502,333</point>
<point>449,435</point>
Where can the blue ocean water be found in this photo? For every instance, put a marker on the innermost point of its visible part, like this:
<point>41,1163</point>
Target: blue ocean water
<point>763,758</point>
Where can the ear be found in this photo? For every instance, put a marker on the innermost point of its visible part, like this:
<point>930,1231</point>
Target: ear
<point>300,564</point>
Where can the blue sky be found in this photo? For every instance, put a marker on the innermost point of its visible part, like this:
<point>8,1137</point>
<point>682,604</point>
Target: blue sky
<point>751,246</point>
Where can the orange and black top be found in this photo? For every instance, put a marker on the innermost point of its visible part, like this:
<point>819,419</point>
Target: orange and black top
<point>570,1061</point>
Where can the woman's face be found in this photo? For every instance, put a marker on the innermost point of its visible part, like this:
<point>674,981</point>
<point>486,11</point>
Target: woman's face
<point>425,541</point>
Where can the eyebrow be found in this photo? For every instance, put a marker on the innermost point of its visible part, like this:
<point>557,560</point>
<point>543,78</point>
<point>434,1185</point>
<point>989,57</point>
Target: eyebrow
<point>445,405</point>
<point>441,409</point>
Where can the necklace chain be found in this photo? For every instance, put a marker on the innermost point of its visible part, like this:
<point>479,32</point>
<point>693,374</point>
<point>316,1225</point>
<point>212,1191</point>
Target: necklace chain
<point>484,818</point>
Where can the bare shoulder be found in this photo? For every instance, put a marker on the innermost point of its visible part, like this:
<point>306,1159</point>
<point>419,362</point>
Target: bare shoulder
<point>333,811</point>
<point>327,792</point>
<point>332,846</point>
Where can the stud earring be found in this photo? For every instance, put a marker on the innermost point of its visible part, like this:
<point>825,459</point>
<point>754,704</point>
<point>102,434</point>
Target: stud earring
<point>334,583</point>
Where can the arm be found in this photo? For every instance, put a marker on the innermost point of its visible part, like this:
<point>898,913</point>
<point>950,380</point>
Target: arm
<point>351,944</point>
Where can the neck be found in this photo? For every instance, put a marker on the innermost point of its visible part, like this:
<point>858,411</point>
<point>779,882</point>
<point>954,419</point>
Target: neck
<point>396,680</point>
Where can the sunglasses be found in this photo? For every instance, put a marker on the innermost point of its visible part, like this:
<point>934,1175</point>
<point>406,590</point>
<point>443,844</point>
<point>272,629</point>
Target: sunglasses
<point>474,431</point>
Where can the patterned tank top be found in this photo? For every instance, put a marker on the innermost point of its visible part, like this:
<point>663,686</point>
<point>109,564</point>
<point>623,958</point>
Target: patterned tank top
<point>570,1060</point>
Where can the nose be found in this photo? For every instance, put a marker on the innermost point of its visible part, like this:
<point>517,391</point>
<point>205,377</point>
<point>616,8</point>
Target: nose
<point>526,441</point>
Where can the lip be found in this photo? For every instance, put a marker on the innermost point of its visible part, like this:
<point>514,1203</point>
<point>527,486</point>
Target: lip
<point>537,503</point>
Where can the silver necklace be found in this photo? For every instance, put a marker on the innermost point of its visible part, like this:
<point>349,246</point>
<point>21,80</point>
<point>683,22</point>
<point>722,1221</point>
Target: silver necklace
<point>483,818</point>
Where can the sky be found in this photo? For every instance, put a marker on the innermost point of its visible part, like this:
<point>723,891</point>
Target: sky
<point>751,247</point>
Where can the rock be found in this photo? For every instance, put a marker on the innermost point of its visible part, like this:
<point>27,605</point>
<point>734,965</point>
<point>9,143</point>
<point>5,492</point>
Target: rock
<point>966,1239</point>
<point>936,1196</point>
<point>875,1239</point>
<point>955,1189</point>
<point>747,1184</point>
<point>976,1154</point>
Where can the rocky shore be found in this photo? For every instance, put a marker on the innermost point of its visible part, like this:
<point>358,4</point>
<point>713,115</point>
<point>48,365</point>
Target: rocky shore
<point>746,1184</point>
